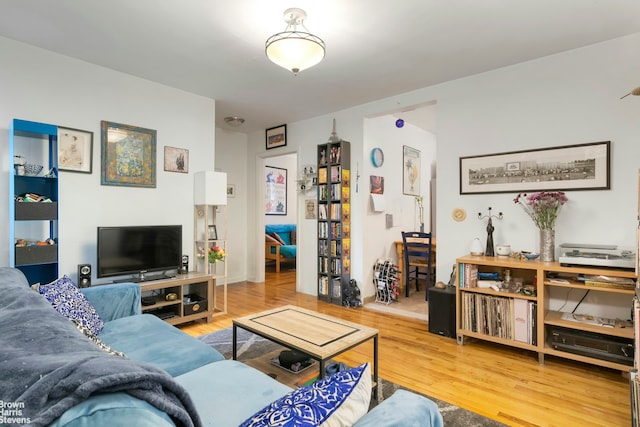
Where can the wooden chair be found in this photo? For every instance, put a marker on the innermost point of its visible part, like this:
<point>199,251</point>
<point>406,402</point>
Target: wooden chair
<point>417,259</point>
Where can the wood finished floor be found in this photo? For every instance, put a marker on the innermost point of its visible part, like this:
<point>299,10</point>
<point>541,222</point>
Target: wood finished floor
<point>499,382</point>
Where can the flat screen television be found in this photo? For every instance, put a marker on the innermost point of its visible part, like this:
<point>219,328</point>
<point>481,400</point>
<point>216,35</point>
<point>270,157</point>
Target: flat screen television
<point>138,250</point>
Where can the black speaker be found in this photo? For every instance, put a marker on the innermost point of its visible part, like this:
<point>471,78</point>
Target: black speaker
<point>442,311</point>
<point>184,266</point>
<point>84,275</point>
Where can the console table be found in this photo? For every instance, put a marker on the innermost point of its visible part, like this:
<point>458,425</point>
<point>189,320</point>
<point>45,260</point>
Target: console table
<point>194,298</point>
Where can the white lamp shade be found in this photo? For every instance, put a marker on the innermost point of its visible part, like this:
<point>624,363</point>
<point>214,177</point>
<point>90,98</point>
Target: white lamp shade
<point>210,188</point>
<point>295,51</point>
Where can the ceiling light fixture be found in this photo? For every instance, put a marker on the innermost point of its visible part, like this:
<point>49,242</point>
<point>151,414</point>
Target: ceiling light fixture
<point>234,121</point>
<point>635,92</point>
<point>292,49</point>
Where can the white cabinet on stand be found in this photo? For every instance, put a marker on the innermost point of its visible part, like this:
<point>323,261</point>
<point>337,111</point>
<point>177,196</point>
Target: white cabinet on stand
<point>210,230</point>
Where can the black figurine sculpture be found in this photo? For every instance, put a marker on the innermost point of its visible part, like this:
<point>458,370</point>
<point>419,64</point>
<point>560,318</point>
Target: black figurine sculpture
<point>489,250</point>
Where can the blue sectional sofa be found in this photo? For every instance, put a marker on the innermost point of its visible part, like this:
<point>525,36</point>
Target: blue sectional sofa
<point>58,376</point>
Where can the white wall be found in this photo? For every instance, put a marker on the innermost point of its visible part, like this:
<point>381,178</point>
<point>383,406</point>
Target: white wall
<point>569,98</point>
<point>42,86</point>
<point>231,146</point>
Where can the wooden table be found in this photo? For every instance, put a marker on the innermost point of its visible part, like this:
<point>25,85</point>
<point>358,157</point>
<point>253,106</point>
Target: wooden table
<point>320,336</point>
<point>400,252</point>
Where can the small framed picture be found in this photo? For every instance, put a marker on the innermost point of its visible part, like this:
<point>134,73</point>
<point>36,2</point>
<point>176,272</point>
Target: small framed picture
<point>213,232</point>
<point>75,150</point>
<point>176,159</point>
<point>276,137</point>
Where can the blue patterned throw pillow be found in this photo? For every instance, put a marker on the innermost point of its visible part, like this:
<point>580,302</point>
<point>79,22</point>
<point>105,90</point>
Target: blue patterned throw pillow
<point>338,400</point>
<point>67,299</point>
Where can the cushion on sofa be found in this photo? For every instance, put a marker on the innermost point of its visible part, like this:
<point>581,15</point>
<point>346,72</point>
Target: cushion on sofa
<point>149,339</point>
<point>114,300</point>
<point>226,393</point>
<point>113,409</point>
<point>270,239</point>
<point>403,409</point>
<point>338,400</point>
<point>63,294</point>
<point>279,238</point>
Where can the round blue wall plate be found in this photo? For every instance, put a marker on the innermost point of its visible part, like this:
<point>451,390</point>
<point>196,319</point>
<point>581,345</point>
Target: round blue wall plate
<point>377,157</point>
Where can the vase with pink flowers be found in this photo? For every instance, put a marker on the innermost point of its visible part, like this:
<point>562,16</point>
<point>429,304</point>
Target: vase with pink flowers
<point>543,207</point>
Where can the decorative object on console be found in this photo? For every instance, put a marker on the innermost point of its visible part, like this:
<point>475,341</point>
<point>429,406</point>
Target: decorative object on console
<point>489,251</point>
<point>476,247</point>
<point>128,155</point>
<point>543,208</point>
<point>216,254</point>
<point>419,200</point>
<point>503,250</point>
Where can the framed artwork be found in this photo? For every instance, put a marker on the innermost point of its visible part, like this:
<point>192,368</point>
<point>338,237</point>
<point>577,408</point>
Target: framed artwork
<point>276,137</point>
<point>75,150</point>
<point>376,184</point>
<point>176,159</point>
<point>410,171</point>
<point>568,167</point>
<point>310,209</point>
<point>213,232</point>
<point>128,155</point>
<point>275,193</point>
<point>231,190</point>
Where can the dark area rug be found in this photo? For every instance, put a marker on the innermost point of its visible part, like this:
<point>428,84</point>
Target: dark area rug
<point>251,346</point>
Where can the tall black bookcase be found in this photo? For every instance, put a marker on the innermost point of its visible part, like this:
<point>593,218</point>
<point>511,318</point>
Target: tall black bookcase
<point>334,219</point>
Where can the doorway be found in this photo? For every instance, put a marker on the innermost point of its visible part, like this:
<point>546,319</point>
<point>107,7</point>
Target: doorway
<point>413,128</point>
<point>279,179</point>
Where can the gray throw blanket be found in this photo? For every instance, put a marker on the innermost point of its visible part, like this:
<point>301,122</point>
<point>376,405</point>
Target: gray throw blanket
<point>48,366</point>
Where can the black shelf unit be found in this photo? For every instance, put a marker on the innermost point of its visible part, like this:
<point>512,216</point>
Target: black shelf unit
<point>334,220</point>
<point>34,221</point>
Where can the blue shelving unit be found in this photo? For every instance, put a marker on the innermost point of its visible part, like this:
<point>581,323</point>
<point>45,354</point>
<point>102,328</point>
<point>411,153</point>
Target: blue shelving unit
<point>34,221</point>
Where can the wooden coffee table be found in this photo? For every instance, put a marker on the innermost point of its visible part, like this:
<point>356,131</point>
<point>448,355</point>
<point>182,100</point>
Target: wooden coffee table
<point>320,336</point>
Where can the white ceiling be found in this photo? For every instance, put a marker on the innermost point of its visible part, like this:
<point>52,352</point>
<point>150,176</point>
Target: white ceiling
<point>375,49</point>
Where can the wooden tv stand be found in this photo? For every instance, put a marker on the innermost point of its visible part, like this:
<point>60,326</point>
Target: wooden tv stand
<point>195,298</point>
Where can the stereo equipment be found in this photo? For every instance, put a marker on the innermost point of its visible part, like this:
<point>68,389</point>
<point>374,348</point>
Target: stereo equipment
<point>184,265</point>
<point>84,275</point>
<point>591,344</point>
<point>609,256</point>
<point>442,311</point>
